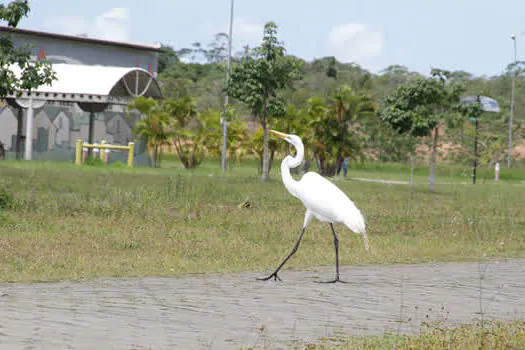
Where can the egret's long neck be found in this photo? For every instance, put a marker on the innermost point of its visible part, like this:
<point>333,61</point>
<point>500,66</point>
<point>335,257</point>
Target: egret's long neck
<point>292,162</point>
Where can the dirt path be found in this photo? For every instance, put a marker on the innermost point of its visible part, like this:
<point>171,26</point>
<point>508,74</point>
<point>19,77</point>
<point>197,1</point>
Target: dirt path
<point>232,311</point>
<point>400,182</point>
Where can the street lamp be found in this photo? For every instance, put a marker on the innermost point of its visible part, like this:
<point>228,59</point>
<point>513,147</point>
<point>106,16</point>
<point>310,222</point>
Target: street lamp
<point>509,155</point>
<point>486,104</point>
<point>226,98</point>
<point>476,119</point>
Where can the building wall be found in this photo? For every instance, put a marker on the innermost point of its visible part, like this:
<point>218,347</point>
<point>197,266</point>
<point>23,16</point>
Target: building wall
<point>8,124</point>
<point>57,127</point>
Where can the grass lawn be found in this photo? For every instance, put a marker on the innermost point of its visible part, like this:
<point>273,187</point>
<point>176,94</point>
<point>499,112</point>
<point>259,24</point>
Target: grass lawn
<point>67,222</point>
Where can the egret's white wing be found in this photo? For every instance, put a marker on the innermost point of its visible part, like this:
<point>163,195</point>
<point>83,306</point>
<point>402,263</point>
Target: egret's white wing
<point>328,202</point>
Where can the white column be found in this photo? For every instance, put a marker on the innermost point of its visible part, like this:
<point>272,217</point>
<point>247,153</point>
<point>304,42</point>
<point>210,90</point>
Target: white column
<point>29,130</point>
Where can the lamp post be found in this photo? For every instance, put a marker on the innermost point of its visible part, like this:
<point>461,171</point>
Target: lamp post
<point>226,98</point>
<point>509,155</point>
<point>486,104</point>
<point>476,118</point>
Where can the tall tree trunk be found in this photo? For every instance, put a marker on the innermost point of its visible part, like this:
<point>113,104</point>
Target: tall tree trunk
<point>272,154</point>
<point>411,176</point>
<point>155,155</point>
<point>261,159</point>
<point>338,167</point>
<point>266,154</point>
<point>432,178</point>
<point>148,152</point>
<point>158,151</point>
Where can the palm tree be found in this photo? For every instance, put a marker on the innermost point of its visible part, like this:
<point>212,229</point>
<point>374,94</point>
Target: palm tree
<point>237,134</point>
<point>295,121</point>
<point>153,127</point>
<point>348,107</point>
<point>256,145</point>
<point>335,125</point>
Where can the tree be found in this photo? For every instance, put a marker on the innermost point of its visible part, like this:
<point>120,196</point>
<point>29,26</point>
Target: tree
<point>385,144</point>
<point>294,121</point>
<point>32,73</point>
<point>203,81</point>
<point>417,107</point>
<point>396,75</point>
<point>331,70</point>
<point>153,128</point>
<point>167,58</point>
<point>491,135</point>
<point>237,134</point>
<point>336,128</point>
<point>391,78</point>
<point>256,146</point>
<point>198,52</point>
<point>184,52</point>
<point>445,111</point>
<point>257,78</point>
<point>218,49</point>
<point>187,131</point>
<point>349,107</point>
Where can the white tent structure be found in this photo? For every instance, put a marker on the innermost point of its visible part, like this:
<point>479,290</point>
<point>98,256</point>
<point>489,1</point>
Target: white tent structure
<point>93,88</point>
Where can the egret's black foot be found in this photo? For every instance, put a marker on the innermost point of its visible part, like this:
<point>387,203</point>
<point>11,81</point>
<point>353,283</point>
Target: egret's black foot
<point>274,275</point>
<point>333,281</point>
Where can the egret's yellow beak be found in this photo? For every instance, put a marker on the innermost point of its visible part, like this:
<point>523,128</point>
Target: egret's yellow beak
<point>280,134</point>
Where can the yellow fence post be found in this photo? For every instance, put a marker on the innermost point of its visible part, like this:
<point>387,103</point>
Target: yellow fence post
<point>131,153</point>
<point>78,152</point>
<point>102,150</point>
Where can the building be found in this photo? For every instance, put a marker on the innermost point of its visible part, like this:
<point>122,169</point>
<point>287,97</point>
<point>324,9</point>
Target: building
<point>66,116</point>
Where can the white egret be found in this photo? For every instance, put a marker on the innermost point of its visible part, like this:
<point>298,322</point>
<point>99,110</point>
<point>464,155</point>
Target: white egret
<point>323,200</point>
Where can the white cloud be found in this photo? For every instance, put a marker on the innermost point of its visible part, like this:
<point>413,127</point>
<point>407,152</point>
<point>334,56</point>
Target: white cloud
<point>113,24</point>
<point>353,42</point>
<point>247,33</point>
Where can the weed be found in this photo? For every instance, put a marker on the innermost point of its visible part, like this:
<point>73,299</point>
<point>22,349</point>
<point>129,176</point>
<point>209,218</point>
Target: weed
<point>6,199</point>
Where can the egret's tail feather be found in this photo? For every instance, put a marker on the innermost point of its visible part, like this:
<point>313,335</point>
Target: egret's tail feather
<point>356,223</point>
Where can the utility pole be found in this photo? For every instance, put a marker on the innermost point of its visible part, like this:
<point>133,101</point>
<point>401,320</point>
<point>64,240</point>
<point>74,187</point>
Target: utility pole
<point>227,98</point>
<point>509,155</point>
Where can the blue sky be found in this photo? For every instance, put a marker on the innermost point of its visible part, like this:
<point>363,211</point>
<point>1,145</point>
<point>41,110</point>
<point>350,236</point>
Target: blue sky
<point>471,35</point>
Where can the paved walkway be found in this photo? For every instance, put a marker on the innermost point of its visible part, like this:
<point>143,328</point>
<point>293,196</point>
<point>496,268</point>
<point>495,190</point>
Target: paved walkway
<point>232,311</point>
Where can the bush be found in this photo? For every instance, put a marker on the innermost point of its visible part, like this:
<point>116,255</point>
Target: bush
<point>94,161</point>
<point>119,165</point>
<point>6,199</point>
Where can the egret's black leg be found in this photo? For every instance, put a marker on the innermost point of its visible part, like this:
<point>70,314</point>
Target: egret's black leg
<point>336,245</point>
<point>295,247</point>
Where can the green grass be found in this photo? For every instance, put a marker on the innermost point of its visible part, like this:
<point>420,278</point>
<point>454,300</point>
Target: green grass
<point>488,335</point>
<point>67,222</point>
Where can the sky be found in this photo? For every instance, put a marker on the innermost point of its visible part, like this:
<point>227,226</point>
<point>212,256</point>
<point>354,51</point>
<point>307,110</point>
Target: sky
<point>469,35</point>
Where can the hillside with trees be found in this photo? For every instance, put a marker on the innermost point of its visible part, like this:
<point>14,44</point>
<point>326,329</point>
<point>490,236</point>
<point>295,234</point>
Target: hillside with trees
<point>339,109</point>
